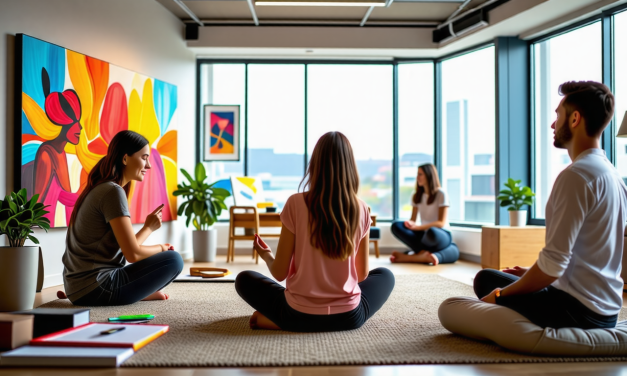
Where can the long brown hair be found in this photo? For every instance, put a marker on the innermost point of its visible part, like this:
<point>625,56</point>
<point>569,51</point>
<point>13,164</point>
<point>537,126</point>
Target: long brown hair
<point>433,182</point>
<point>332,181</point>
<point>111,166</point>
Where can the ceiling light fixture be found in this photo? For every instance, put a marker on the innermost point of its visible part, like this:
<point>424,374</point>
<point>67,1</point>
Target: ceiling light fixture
<point>322,3</point>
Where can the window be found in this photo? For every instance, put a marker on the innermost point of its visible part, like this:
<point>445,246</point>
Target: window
<point>276,128</point>
<point>554,65</point>
<point>415,128</point>
<point>357,100</point>
<point>224,84</point>
<point>620,89</point>
<point>482,185</point>
<point>468,134</point>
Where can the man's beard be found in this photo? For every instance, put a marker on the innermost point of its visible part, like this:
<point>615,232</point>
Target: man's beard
<point>563,135</point>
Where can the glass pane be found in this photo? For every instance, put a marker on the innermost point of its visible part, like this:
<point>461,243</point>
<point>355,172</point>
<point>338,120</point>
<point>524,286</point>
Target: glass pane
<point>415,128</point>
<point>554,65</point>
<point>276,129</point>
<point>224,84</point>
<point>468,136</point>
<point>357,100</point>
<point>620,88</point>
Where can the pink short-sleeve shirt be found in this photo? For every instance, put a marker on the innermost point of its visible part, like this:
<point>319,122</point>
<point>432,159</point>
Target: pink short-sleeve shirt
<point>317,284</point>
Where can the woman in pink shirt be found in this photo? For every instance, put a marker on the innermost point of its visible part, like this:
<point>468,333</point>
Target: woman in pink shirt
<point>322,253</point>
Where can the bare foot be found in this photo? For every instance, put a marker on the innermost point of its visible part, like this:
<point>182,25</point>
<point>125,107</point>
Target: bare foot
<point>61,295</point>
<point>422,257</point>
<point>394,256</point>
<point>157,296</point>
<point>259,321</point>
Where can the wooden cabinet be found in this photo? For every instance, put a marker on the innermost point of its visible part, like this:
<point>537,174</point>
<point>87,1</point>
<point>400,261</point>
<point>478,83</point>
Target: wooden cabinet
<point>505,246</point>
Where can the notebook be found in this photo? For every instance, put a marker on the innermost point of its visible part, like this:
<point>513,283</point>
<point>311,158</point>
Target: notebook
<point>39,356</point>
<point>134,336</point>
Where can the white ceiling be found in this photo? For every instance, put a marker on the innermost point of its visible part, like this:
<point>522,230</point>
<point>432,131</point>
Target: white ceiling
<point>525,18</point>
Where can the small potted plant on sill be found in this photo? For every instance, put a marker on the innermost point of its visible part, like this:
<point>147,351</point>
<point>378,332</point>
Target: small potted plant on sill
<point>515,196</point>
<point>204,204</point>
<point>19,264</point>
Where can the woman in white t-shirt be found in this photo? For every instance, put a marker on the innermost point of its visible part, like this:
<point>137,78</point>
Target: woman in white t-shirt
<point>430,242</point>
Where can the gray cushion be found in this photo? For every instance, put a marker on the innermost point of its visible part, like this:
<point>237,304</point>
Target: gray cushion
<point>475,319</point>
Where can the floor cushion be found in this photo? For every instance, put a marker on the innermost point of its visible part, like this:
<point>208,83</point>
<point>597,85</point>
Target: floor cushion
<point>475,319</point>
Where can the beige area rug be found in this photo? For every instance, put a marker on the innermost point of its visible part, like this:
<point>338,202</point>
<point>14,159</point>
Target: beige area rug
<point>209,327</point>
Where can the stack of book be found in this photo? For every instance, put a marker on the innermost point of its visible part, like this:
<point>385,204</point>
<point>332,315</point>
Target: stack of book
<point>66,338</point>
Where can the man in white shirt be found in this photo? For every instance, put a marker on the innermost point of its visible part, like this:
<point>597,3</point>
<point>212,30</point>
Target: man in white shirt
<point>576,281</point>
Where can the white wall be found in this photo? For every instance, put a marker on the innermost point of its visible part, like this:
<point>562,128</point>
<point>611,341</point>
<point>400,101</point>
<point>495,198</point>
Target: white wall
<point>139,35</point>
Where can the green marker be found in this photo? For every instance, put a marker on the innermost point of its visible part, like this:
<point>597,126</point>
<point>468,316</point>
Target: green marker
<point>132,317</point>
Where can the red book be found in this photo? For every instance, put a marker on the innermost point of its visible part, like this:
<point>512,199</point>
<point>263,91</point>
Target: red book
<point>134,336</point>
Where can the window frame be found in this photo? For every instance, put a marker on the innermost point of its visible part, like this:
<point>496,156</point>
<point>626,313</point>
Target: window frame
<point>437,115</point>
<point>608,143</point>
<point>306,62</point>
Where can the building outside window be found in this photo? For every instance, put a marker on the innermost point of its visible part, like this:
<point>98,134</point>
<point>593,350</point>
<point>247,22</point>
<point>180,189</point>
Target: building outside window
<point>468,136</point>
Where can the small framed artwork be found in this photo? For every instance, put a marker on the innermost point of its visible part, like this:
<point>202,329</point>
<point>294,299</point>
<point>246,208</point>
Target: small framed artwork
<point>221,131</point>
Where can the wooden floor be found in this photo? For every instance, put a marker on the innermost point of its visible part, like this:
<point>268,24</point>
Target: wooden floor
<point>460,271</point>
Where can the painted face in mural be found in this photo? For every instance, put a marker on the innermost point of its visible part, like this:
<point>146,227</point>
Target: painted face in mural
<point>72,133</point>
<point>63,109</point>
<point>137,165</point>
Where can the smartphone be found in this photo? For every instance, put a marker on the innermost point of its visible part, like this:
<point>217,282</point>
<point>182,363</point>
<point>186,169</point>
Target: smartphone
<point>131,318</point>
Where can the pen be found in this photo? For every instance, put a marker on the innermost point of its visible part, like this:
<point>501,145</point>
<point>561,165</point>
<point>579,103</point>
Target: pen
<point>112,330</point>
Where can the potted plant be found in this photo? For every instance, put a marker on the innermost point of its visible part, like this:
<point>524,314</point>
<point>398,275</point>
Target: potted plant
<point>515,197</point>
<point>203,205</point>
<point>19,264</point>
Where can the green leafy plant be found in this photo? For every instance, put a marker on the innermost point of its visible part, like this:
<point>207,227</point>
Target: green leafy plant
<point>18,216</point>
<point>204,201</point>
<point>515,196</point>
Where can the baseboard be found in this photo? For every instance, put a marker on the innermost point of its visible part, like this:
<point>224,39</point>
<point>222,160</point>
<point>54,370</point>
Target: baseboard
<point>469,257</point>
<point>248,250</point>
<point>53,280</point>
<point>382,250</point>
<point>189,255</point>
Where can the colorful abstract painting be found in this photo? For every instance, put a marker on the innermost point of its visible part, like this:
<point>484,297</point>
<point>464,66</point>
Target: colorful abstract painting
<point>221,132</point>
<point>246,191</point>
<point>69,108</point>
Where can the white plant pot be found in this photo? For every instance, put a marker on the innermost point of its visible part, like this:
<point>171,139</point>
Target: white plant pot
<point>205,243</point>
<point>19,267</point>
<point>517,218</point>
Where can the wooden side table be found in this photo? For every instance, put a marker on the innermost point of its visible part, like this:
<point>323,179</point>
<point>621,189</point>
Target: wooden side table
<point>505,246</point>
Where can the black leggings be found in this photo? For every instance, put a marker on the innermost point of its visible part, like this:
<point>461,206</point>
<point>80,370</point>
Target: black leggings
<point>268,297</point>
<point>549,307</point>
<point>435,240</point>
<point>135,282</point>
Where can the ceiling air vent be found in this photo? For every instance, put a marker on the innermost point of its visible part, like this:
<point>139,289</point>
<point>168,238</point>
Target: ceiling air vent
<point>461,26</point>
